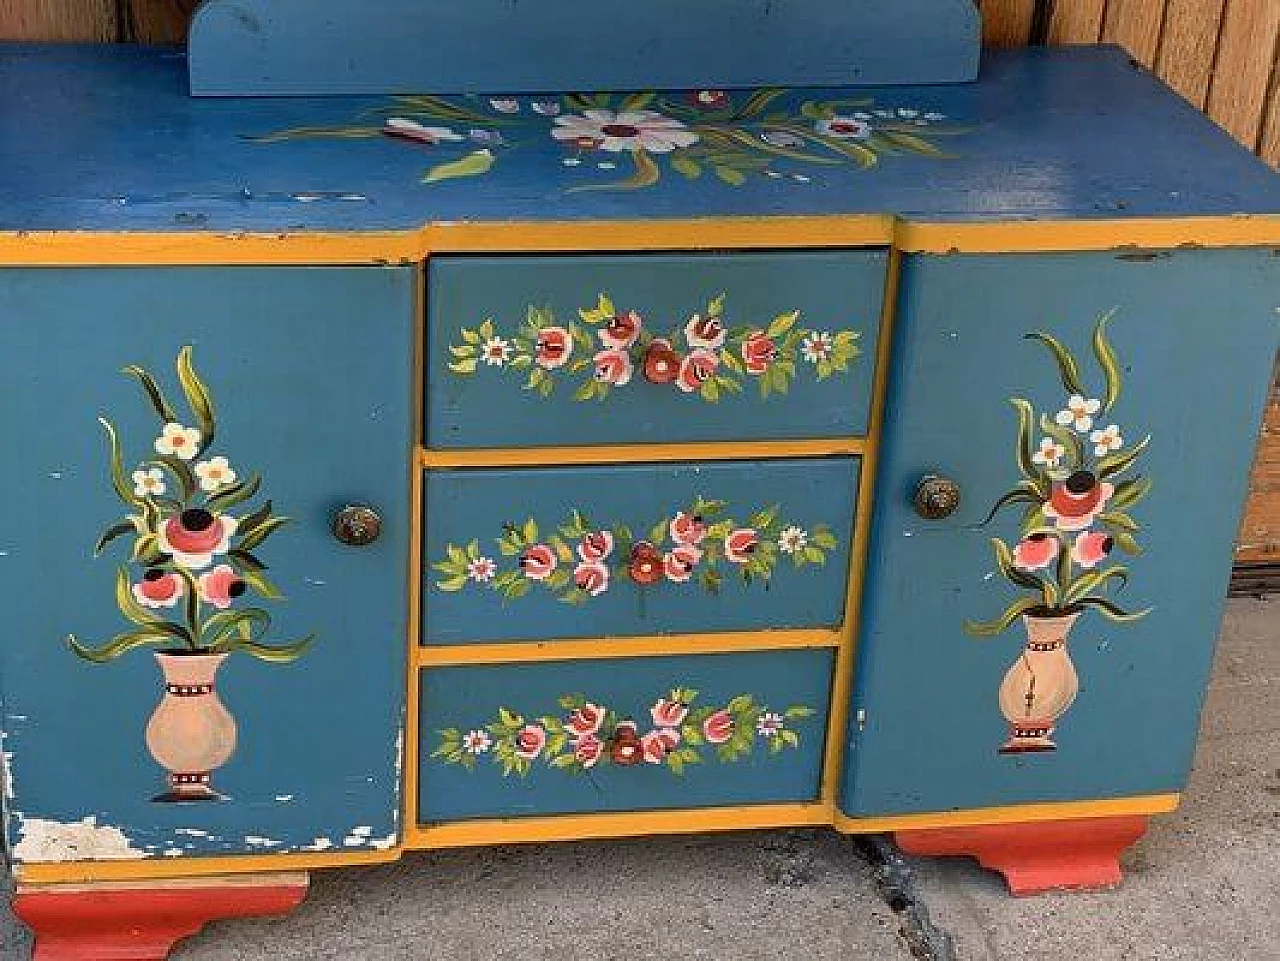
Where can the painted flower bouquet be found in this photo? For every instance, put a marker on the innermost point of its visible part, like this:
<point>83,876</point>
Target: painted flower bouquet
<point>705,357</point>
<point>589,734</point>
<point>1077,487</point>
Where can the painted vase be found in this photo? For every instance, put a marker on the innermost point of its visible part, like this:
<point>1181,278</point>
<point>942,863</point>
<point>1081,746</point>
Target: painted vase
<point>191,734</point>
<point>1040,686</point>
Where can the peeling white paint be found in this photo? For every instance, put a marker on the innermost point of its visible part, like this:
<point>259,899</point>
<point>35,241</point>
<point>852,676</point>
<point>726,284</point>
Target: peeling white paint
<point>6,774</point>
<point>319,844</point>
<point>257,842</point>
<point>284,798</point>
<point>191,832</point>
<point>46,841</point>
<point>364,831</point>
<point>383,844</point>
<point>174,852</point>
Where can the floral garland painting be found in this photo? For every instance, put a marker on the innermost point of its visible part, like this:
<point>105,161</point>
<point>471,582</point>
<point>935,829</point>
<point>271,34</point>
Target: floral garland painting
<point>578,560</point>
<point>637,138</point>
<point>1077,488</point>
<point>589,734</point>
<point>705,357</point>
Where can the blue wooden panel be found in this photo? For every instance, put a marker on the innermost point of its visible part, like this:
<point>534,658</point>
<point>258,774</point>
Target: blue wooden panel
<point>1014,141</point>
<point>505,552</point>
<point>1195,333</point>
<point>310,372</point>
<point>493,386</point>
<point>468,742</point>
<point>272,47</point>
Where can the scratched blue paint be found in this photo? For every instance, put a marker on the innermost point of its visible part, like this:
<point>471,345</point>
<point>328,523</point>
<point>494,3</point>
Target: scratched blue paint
<point>832,290</point>
<point>468,698</point>
<point>274,47</point>
<point>310,372</point>
<point>1048,140</point>
<point>462,505</point>
<point>1196,332</point>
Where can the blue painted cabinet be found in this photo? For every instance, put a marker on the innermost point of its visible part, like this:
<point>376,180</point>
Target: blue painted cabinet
<point>238,398</point>
<point>1097,412</point>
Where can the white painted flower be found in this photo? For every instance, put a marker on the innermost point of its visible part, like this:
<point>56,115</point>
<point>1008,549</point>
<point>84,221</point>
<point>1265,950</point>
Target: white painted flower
<point>793,539</point>
<point>149,482</point>
<point>178,441</point>
<point>412,130</point>
<point>844,128</point>
<point>505,104</point>
<point>215,473</point>
<point>1050,453</point>
<point>1079,413</point>
<point>817,346</point>
<point>770,724</point>
<point>1105,441</point>
<point>482,570</point>
<point>477,742</point>
<point>624,131</point>
<point>496,351</point>
<point>548,108</point>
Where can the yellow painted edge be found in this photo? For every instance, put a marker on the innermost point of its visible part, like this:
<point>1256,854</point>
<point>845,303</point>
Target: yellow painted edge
<point>846,658</point>
<point>641,453</point>
<point>582,827</point>
<point>84,872</point>
<point>413,640</point>
<point>1011,814</point>
<point>107,248</point>
<point>664,645</point>
<point>291,879</point>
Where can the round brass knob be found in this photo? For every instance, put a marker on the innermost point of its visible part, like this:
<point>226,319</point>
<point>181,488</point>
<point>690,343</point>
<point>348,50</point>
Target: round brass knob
<point>357,525</point>
<point>936,497</point>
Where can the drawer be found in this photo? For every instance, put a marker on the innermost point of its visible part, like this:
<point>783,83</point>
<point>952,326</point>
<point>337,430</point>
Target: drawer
<point>536,553</point>
<point>653,348</point>
<point>616,735</point>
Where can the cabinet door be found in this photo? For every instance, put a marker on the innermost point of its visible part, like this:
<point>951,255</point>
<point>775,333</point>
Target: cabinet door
<point>1114,549</point>
<point>295,381</point>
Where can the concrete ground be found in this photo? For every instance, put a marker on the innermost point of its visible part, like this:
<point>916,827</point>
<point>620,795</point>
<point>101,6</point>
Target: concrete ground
<point>1204,883</point>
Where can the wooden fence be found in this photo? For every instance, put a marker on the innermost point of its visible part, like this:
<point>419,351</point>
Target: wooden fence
<point>1220,54</point>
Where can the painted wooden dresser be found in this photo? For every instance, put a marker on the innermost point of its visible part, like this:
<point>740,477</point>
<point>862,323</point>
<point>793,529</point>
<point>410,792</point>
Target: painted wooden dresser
<point>405,471</point>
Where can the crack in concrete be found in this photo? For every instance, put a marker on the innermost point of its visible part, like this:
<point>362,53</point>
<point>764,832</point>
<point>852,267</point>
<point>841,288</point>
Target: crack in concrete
<point>896,883</point>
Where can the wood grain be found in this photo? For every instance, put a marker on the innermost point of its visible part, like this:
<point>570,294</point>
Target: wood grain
<point>1246,61</point>
<point>1006,23</point>
<point>1135,25</point>
<point>1188,46</point>
<point>1259,540</point>
<point>159,21</point>
<point>1269,149</point>
<point>1077,21</point>
<point>91,20</point>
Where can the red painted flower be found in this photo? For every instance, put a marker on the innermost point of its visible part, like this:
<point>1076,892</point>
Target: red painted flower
<point>740,545</point>
<point>592,577</point>
<point>596,546</point>
<point>625,749</point>
<point>661,362</point>
<point>614,367</point>
<point>585,720</point>
<point>1092,548</point>
<point>706,332</point>
<point>537,562</point>
<point>221,586</point>
<point>688,529</point>
<point>708,99</point>
<point>646,564</point>
<point>1035,552</point>
<point>195,535</point>
<point>530,740</point>
<point>657,744</point>
<point>718,728</point>
<point>695,369</point>
<point>678,564</point>
<point>159,589</point>
<point>622,331</point>
<point>758,352</point>
<point>1075,502</point>
<point>587,750</point>
<point>553,348</point>
<point>668,713</point>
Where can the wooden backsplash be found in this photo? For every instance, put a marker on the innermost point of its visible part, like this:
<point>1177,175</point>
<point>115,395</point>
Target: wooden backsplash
<point>1220,54</point>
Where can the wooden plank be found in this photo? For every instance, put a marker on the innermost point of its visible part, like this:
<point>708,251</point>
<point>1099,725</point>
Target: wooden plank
<point>1188,46</point>
<point>1136,26</point>
<point>1259,540</point>
<point>1006,23</point>
<point>1077,21</point>
<point>159,21</point>
<point>1246,60</point>
<point>93,20</point>
<point>1269,149</point>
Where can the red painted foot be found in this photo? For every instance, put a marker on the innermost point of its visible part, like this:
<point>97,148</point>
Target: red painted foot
<point>1041,856</point>
<point>142,921</point>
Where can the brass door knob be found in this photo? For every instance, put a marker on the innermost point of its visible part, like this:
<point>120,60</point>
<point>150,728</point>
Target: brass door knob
<point>357,525</point>
<point>936,497</point>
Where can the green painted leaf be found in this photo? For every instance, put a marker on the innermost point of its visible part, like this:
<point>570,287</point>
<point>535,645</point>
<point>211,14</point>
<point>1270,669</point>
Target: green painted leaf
<point>260,583</point>
<point>154,394</point>
<point>1026,420</point>
<point>1119,462</point>
<point>261,532</point>
<point>236,494</point>
<point>285,653</point>
<point>124,489</point>
<point>735,178</point>
<point>110,534</point>
<point>1011,613</point>
<point>684,165</point>
<point>1068,369</point>
<point>1113,611</point>
<point>120,644</point>
<point>1130,492</point>
<point>1107,360</point>
<point>198,398</point>
<point>474,164</point>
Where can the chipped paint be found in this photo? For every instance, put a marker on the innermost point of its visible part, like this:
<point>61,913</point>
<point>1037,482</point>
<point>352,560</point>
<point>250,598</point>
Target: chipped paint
<point>319,844</point>
<point>284,798</point>
<point>192,832</point>
<point>44,841</point>
<point>383,844</point>
<point>256,842</point>
<point>6,775</point>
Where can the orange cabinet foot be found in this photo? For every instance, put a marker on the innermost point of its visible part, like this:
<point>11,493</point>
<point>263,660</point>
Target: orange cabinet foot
<point>1081,854</point>
<point>139,921</point>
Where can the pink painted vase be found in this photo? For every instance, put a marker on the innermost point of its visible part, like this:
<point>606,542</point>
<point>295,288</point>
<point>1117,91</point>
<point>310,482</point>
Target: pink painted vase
<point>191,734</point>
<point>1040,686</point>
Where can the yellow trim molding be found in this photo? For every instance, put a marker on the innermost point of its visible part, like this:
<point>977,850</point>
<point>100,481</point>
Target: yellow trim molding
<point>1012,814</point>
<point>640,453</point>
<point>85,872</point>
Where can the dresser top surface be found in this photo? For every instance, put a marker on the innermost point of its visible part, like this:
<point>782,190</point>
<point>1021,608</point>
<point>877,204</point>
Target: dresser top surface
<point>106,139</point>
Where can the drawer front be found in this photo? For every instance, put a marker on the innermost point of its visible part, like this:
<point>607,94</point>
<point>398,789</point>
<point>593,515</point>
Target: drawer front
<point>531,351</point>
<point>541,553</point>
<point>617,735</point>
